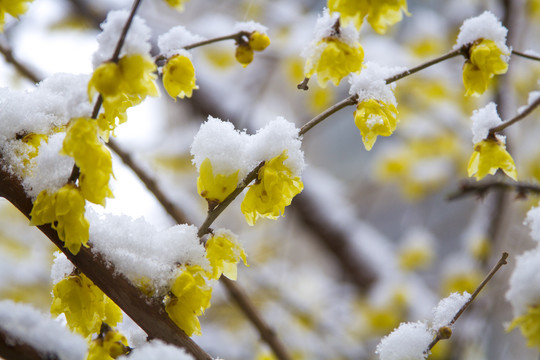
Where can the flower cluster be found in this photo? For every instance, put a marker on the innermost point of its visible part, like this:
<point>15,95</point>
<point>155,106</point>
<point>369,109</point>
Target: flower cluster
<point>380,14</point>
<point>85,306</point>
<point>109,345</point>
<point>13,8</point>
<point>257,40</point>
<point>188,298</point>
<point>222,163</point>
<point>334,52</point>
<point>65,211</point>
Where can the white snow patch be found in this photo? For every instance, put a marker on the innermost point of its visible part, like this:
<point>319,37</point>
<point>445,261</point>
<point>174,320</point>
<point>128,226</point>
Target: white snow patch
<point>174,40</point>
<point>409,341</point>
<point>448,308</point>
<point>484,26</point>
<point>483,120</point>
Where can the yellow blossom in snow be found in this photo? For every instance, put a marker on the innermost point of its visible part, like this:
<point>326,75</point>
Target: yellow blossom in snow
<point>488,156</point>
<point>215,188</point>
<point>529,324</point>
<point>258,41</point>
<point>223,252</point>
<point>380,13</point>
<point>84,305</point>
<point>272,192</point>
<point>13,8</point>
<point>188,298</point>
<point>179,77</point>
<point>486,59</point>
<point>107,346</point>
<point>374,118</point>
<point>64,210</point>
<point>335,61</point>
<point>177,4</point>
<point>91,156</point>
<point>122,85</point>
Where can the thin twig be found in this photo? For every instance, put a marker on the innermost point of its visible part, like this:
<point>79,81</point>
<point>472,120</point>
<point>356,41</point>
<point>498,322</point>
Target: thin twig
<point>351,100</point>
<point>23,69</point>
<point>529,109</point>
<point>125,29</point>
<point>500,263</point>
<point>481,188</point>
<point>527,56</point>
<point>238,37</point>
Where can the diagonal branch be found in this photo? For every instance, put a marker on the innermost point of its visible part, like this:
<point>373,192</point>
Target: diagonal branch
<point>480,189</point>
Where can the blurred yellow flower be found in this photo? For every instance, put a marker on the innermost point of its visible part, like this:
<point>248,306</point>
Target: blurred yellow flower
<point>177,4</point>
<point>13,8</point>
<point>244,51</point>
<point>529,324</point>
<point>490,155</point>
<point>486,59</point>
<point>107,346</point>
<point>380,13</point>
<point>272,192</point>
<point>374,118</point>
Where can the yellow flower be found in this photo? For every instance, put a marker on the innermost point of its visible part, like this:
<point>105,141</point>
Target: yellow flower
<point>223,252</point>
<point>258,41</point>
<point>122,85</point>
<point>84,305</point>
<point>188,298</point>
<point>107,346</point>
<point>65,211</point>
<point>272,192</point>
<point>244,54</point>
<point>486,59</point>
<point>177,4</point>
<point>337,60</point>
<point>374,118</point>
<point>415,257</point>
<point>13,8</point>
<point>488,156</point>
<point>380,13</point>
<point>179,77</point>
<point>215,188</point>
<point>91,156</point>
<point>529,324</point>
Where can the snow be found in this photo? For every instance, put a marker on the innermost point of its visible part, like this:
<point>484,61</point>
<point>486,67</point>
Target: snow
<point>448,308</point>
<point>250,26</point>
<point>371,83</point>
<point>484,26</point>
<point>484,119</point>
<point>157,350</point>
<point>61,267</point>
<point>409,341</point>
<point>230,150</point>
<point>25,325</point>
<point>524,282</point>
<point>533,96</point>
<point>533,221</point>
<point>141,252</point>
<point>174,40</point>
<point>136,42</point>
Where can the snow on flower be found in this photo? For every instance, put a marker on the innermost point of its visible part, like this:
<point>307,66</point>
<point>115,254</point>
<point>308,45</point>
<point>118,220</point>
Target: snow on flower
<point>409,341</point>
<point>483,120</point>
<point>448,308</point>
<point>157,350</point>
<point>484,26</point>
<point>174,40</point>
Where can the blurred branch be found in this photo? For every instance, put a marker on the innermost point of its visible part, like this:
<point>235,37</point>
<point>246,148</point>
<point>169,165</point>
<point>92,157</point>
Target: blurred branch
<point>146,312</point>
<point>480,189</point>
<point>84,10</point>
<point>21,68</point>
<point>11,349</point>
<point>524,55</point>
<point>521,115</point>
<point>445,334</point>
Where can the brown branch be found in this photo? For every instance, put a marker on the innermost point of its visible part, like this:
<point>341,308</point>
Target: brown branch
<point>527,56</point>
<point>148,313</point>
<point>529,109</point>
<point>16,350</point>
<point>480,189</point>
<point>21,68</point>
<point>123,34</point>
<point>178,215</point>
<point>239,37</point>
<point>445,335</point>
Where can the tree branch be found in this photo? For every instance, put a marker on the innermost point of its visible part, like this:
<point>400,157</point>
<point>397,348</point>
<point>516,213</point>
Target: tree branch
<point>23,69</point>
<point>529,109</point>
<point>526,56</point>
<point>148,313</point>
<point>445,335</point>
<point>480,189</point>
<point>15,350</point>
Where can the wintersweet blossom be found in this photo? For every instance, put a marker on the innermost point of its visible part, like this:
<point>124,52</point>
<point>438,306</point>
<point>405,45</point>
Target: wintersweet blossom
<point>33,141</point>
<point>91,156</point>
<point>257,41</point>
<point>177,4</point>
<point>374,118</point>
<point>215,188</point>
<point>380,14</point>
<point>13,8</point>
<point>488,156</point>
<point>84,305</point>
<point>529,324</point>
<point>223,251</point>
<point>64,210</point>
<point>336,60</point>
<point>486,59</point>
<point>179,76</point>
<point>122,85</point>
<point>188,298</point>
<point>107,346</point>
<point>272,192</point>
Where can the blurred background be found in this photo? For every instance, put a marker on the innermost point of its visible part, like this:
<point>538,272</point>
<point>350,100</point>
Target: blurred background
<point>373,239</point>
